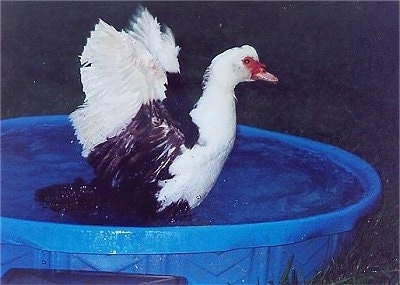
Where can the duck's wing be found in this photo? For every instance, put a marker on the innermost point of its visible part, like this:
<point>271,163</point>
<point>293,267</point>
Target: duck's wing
<point>145,28</point>
<point>121,71</point>
<point>141,154</point>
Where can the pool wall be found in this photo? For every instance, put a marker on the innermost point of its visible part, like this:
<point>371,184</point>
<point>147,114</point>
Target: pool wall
<point>254,265</point>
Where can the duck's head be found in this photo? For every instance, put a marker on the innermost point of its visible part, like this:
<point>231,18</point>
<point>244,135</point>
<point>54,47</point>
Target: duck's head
<point>240,64</point>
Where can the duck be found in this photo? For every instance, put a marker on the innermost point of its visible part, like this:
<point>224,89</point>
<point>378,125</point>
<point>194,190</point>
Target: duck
<point>141,156</point>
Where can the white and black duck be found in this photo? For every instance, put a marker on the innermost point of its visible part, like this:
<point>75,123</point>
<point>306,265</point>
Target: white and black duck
<point>144,163</point>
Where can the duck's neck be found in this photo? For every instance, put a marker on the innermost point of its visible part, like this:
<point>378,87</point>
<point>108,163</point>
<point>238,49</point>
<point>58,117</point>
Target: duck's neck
<point>215,113</point>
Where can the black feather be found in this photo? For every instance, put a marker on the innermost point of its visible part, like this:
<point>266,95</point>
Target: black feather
<point>128,167</point>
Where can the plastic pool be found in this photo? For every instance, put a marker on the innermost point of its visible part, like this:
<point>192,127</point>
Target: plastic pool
<point>278,197</point>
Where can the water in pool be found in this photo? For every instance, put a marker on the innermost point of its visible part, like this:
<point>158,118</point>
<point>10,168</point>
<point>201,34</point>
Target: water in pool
<point>263,180</point>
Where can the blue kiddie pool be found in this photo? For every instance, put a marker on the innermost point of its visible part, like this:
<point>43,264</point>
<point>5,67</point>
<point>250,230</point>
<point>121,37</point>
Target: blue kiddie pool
<point>281,202</point>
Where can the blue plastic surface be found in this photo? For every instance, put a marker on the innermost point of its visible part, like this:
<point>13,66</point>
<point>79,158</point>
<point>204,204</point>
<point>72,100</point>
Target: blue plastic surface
<point>277,195</point>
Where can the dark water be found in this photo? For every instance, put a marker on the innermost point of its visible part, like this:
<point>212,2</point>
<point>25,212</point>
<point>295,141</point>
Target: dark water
<point>263,180</point>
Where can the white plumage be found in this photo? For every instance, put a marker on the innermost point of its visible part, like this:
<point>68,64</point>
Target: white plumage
<point>123,72</point>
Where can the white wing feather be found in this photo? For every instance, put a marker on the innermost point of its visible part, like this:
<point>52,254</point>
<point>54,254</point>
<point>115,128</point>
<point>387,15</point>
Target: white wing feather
<point>145,28</point>
<point>119,73</point>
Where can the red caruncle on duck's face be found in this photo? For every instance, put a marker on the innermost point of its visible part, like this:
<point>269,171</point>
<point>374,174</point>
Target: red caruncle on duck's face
<point>253,65</point>
<point>257,70</point>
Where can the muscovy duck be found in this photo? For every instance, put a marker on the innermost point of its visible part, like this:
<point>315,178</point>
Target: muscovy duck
<point>142,160</point>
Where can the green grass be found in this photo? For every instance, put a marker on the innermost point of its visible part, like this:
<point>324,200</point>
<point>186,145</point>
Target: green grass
<point>373,258</point>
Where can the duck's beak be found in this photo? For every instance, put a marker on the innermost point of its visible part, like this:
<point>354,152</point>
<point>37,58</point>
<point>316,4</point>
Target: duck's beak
<point>264,75</point>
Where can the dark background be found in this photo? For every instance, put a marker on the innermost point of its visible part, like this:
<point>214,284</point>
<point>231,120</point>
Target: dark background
<point>338,65</point>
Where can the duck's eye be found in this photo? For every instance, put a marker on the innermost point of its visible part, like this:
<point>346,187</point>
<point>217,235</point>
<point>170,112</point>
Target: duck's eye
<point>246,61</point>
